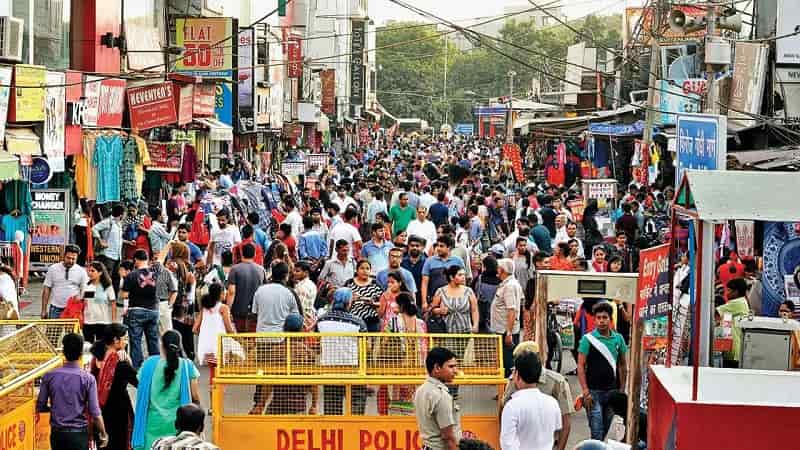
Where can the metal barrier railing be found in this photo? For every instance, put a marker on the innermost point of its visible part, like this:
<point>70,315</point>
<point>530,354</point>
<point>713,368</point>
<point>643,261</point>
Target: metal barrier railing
<point>367,356</point>
<point>53,329</point>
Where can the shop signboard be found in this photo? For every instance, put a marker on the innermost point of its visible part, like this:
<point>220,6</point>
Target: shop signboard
<point>204,97</point>
<point>294,168</point>
<point>28,101</point>
<point>318,160</point>
<point>702,143</point>
<point>91,102</point>
<point>787,48</point>
<point>262,106</point>
<point>328,81</point>
<point>152,106</point>
<point>747,83</point>
<point>184,96</point>
<point>74,112</point>
<point>223,103</point>
<point>5,95</point>
<point>357,81</point>
<point>55,115</point>
<point>110,103</point>
<point>465,129</point>
<point>678,99</point>
<point>165,157</point>
<point>654,294</point>
<point>294,51</point>
<point>601,190</point>
<point>208,49</point>
<point>246,81</point>
<point>50,211</point>
<point>276,74</point>
<point>41,172</point>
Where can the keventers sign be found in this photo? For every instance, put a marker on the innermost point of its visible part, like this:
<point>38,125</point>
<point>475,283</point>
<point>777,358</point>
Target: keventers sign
<point>152,106</point>
<point>702,143</point>
<point>357,82</point>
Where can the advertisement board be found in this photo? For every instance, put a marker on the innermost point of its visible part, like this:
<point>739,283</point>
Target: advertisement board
<point>208,53</point>
<point>675,100</point>
<point>152,106</point>
<point>90,102</point>
<point>246,81</point>
<point>328,84</point>
<point>50,209</point>
<point>204,97</point>
<point>466,129</point>
<point>294,56</point>
<point>276,74</point>
<point>55,112</point>
<point>185,99</point>
<point>110,103</point>
<point>787,49</point>
<point>654,298</point>
<point>5,95</point>
<point>702,143</point>
<point>357,80</point>
<point>28,104</point>
<point>747,83</point>
<point>165,157</point>
<point>223,103</point>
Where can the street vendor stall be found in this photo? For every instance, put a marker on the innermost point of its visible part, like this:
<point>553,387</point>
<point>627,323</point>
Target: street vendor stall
<point>604,192</point>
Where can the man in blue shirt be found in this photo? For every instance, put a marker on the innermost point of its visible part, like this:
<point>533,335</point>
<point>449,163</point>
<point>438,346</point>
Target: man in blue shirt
<point>195,254</point>
<point>311,244</point>
<point>415,261</point>
<point>260,235</point>
<point>475,225</point>
<point>376,250</point>
<point>395,261</point>
<point>541,235</point>
<point>439,212</point>
<point>433,276</point>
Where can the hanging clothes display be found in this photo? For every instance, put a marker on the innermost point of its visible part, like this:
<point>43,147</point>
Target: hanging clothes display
<point>85,171</point>
<point>129,189</point>
<point>556,175</point>
<point>189,167</point>
<point>108,158</point>
<point>17,195</point>
<point>144,160</point>
<point>14,222</point>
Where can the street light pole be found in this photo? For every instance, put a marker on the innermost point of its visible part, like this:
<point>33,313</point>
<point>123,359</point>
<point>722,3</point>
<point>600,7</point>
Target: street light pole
<point>446,105</point>
<point>510,118</point>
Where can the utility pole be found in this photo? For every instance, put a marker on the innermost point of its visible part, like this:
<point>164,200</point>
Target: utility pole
<point>510,123</point>
<point>711,95</point>
<point>655,58</point>
<point>446,105</point>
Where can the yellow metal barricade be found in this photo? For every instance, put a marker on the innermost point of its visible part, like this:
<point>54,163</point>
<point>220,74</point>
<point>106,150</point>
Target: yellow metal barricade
<point>287,391</point>
<point>26,353</point>
<point>54,329</point>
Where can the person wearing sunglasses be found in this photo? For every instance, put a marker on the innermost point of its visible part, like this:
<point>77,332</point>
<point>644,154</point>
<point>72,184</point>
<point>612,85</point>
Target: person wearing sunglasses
<point>63,280</point>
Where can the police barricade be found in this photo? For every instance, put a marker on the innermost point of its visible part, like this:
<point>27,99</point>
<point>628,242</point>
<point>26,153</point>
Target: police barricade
<point>339,391</point>
<point>26,354</point>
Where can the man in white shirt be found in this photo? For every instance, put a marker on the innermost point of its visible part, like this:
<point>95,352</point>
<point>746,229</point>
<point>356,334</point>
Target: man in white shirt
<point>422,227</point>
<point>348,232</point>
<point>530,419</point>
<point>293,218</point>
<point>222,239</point>
<point>344,200</point>
<point>426,199</point>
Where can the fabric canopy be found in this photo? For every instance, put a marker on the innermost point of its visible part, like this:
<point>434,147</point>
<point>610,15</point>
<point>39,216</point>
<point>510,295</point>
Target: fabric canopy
<point>22,141</point>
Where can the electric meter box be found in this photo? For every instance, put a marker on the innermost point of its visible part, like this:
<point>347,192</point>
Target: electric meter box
<point>767,343</point>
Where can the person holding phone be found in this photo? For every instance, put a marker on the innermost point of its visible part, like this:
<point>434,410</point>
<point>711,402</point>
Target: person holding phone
<point>100,302</point>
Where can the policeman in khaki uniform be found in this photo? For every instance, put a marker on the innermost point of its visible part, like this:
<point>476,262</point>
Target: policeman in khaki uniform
<point>437,414</point>
<point>550,383</point>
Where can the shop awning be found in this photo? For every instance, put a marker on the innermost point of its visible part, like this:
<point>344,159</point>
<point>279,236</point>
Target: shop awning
<point>22,141</point>
<point>9,167</point>
<point>218,131</point>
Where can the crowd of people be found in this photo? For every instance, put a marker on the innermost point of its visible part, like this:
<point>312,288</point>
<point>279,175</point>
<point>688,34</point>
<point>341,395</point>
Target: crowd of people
<point>412,235</point>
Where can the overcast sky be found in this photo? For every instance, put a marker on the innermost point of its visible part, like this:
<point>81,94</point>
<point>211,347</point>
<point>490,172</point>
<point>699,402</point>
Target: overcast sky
<point>383,10</point>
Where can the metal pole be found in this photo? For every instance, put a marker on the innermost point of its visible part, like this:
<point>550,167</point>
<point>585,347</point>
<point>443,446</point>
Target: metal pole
<point>446,105</point>
<point>650,114</point>
<point>711,96</point>
<point>510,123</point>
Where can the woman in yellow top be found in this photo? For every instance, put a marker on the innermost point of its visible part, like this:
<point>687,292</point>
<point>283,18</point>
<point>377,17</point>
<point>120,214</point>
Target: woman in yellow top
<point>786,311</point>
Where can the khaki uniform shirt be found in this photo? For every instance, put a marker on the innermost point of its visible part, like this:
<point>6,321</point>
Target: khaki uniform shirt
<point>550,383</point>
<point>435,409</point>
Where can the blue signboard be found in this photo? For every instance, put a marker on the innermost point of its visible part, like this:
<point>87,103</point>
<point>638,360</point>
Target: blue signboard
<point>701,143</point>
<point>223,103</point>
<point>675,100</point>
<point>467,129</point>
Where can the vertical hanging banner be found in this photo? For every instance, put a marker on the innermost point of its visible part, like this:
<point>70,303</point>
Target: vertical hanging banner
<point>208,50</point>
<point>357,81</point>
<point>654,296</point>
<point>27,100</point>
<point>55,115</point>
<point>5,96</point>
<point>110,103</point>
<point>294,55</point>
<point>328,82</point>
<point>702,143</point>
<point>152,106</point>
<point>223,103</point>
<point>91,101</point>
<point>512,153</point>
<point>246,81</point>
<point>184,98</point>
<point>204,96</point>
<point>745,236</point>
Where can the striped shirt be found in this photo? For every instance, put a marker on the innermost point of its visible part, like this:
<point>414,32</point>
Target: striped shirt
<point>184,441</point>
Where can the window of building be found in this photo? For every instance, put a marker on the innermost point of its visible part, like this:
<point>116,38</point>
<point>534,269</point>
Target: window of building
<point>144,27</point>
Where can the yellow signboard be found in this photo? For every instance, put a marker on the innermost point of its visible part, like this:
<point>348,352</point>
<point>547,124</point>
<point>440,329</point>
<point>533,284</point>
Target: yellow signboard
<point>29,103</point>
<point>340,433</point>
<point>209,49</point>
<point>17,430</point>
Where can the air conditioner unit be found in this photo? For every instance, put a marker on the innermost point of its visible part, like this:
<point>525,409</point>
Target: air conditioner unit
<point>11,38</point>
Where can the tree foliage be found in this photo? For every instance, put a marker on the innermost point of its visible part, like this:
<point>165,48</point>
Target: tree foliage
<point>411,61</point>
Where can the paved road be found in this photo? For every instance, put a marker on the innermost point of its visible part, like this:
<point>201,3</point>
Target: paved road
<point>239,399</point>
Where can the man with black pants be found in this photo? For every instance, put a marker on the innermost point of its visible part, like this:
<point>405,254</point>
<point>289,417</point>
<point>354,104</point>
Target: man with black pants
<point>68,393</point>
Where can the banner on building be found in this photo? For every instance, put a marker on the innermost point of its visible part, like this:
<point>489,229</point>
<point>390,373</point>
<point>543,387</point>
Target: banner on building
<point>328,85</point>
<point>702,143</point>
<point>50,209</point>
<point>165,157</point>
<point>787,48</point>
<point>654,296</point>
<point>246,81</point>
<point>223,103</point>
<point>55,115</point>
<point>276,74</point>
<point>5,96</point>
<point>204,97</point>
<point>357,79</point>
<point>184,98</point>
<point>208,48</point>
<point>294,57</point>
<point>28,96</point>
<point>747,83</point>
<point>152,106</point>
